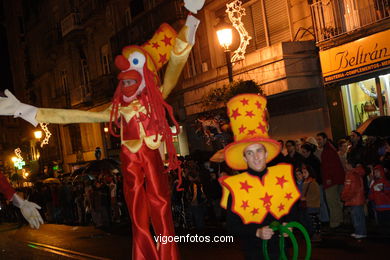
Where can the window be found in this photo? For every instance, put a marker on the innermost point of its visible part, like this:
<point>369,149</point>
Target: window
<point>266,21</point>
<point>127,17</point>
<point>190,68</point>
<point>63,89</point>
<point>72,134</point>
<point>360,100</point>
<point>105,60</point>
<point>85,75</point>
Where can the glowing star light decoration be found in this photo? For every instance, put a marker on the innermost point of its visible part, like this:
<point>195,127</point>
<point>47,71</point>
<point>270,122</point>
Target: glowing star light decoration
<point>47,134</point>
<point>235,11</point>
<point>19,163</point>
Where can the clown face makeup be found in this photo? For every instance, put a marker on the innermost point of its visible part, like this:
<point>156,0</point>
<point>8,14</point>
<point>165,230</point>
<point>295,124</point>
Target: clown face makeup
<point>132,76</point>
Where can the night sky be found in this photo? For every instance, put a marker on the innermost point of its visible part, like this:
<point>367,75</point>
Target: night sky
<point>5,70</point>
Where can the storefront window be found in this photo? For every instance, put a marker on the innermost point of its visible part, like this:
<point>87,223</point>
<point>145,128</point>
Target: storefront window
<point>360,101</point>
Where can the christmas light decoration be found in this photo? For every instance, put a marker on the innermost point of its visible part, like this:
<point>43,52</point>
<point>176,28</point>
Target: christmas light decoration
<point>235,11</point>
<point>18,162</point>
<point>47,133</point>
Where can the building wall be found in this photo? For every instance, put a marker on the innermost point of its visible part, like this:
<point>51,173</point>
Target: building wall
<point>282,68</point>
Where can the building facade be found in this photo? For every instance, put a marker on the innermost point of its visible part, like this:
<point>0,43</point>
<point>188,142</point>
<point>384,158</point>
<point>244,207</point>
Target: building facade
<point>353,38</point>
<point>62,57</point>
<point>282,57</point>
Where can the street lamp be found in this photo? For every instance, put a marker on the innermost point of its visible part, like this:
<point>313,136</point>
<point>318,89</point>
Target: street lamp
<point>225,38</point>
<point>38,136</point>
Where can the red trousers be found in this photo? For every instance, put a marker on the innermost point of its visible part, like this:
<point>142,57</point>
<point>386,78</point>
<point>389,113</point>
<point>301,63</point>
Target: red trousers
<point>147,195</point>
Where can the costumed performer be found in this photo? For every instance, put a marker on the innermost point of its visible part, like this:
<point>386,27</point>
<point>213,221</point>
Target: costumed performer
<point>139,110</point>
<point>260,195</point>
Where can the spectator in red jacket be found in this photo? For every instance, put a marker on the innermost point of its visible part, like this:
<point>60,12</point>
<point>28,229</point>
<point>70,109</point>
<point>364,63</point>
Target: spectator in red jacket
<point>380,195</point>
<point>333,176</point>
<point>353,197</point>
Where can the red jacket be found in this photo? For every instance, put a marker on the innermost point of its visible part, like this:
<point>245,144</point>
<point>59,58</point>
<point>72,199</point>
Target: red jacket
<point>380,191</point>
<point>331,167</point>
<point>5,187</point>
<point>353,192</point>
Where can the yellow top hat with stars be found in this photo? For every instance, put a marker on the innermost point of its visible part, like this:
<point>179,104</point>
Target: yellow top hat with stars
<point>157,49</point>
<point>248,120</point>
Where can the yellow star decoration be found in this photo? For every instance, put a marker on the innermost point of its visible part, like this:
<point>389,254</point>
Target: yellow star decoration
<point>235,11</point>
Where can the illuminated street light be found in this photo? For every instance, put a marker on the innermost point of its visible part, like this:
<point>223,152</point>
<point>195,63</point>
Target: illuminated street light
<point>225,38</point>
<point>38,134</point>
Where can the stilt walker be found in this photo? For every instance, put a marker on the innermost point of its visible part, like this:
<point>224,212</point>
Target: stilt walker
<point>138,109</point>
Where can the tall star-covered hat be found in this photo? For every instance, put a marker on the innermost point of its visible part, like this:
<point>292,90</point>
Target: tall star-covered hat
<point>157,49</point>
<point>248,120</point>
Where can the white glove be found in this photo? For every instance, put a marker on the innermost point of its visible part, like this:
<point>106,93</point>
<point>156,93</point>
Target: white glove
<point>29,211</point>
<point>11,106</point>
<point>193,5</point>
<point>192,23</point>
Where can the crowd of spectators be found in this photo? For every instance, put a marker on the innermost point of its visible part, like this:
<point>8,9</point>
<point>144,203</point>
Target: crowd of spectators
<point>347,181</point>
<point>91,200</point>
<point>341,183</point>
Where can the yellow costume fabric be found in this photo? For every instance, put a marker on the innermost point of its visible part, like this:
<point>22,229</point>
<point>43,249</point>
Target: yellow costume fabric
<point>253,199</point>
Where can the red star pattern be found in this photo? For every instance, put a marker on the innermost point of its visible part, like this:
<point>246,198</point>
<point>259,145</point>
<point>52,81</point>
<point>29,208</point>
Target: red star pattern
<point>155,45</point>
<point>249,113</point>
<point>244,204</point>
<point>258,104</point>
<point>167,40</point>
<point>245,186</point>
<point>288,196</point>
<point>235,113</point>
<point>251,132</point>
<point>267,200</point>
<point>244,101</point>
<point>242,129</point>
<point>280,181</point>
<point>255,211</point>
<point>261,127</point>
<point>281,207</point>
<point>163,58</point>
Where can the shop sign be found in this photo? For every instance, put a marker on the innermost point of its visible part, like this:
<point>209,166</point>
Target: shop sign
<point>355,58</point>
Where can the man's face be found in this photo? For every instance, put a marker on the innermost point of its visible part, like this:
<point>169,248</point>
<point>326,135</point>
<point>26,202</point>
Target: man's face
<point>305,153</point>
<point>354,137</point>
<point>256,155</point>
<point>290,147</point>
<point>320,141</point>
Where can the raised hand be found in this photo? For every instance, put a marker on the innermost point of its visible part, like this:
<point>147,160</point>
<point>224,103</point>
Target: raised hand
<point>9,104</point>
<point>193,5</point>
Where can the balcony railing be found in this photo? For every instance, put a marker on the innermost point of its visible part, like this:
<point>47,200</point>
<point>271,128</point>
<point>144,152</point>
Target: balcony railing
<point>70,23</point>
<point>333,18</point>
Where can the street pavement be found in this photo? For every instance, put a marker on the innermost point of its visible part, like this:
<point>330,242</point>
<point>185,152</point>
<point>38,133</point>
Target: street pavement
<point>86,242</point>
